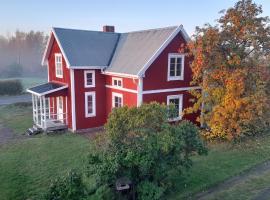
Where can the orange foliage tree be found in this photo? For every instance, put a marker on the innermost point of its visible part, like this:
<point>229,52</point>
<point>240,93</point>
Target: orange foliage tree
<point>231,64</point>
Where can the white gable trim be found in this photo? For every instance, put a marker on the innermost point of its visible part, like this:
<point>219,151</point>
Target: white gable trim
<point>49,46</point>
<point>162,47</point>
<point>120,74</point>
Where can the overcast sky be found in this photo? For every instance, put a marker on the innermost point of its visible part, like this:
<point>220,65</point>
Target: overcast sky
<point>125,15</point>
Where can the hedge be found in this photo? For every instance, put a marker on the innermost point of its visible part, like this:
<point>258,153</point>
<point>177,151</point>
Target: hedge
<point>10,87</point>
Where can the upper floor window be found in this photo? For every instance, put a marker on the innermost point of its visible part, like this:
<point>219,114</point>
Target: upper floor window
<point>118,82</point>
<point>177,102</point>
<point>176,67</point>
<point>58,65</point>
<point>117,100</point>
<point>89,78</point>
<point>90,104</point>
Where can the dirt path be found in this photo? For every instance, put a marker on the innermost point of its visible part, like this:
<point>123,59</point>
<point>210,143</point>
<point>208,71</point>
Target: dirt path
<point>258,170</point>
<point>7,135</point>
<point>5,100</point>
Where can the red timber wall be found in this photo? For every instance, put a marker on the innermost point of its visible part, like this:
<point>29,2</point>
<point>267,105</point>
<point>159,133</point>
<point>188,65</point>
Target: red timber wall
<point>65,80</point>
<point>156,77</point>
<point>83,122</point>
<point>129,98</point>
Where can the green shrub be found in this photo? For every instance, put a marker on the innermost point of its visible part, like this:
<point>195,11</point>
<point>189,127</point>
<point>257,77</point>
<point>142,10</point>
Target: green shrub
<point>140,145</point>
<point>10,87</point>
<point>70,187</point>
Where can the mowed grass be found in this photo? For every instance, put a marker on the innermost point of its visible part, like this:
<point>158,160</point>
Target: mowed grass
<point>18,117</point>
<point>27,166</point>
<point>222,162</point>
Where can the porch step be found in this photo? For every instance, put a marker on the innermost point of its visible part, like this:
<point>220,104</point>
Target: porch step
<point>34,130</point>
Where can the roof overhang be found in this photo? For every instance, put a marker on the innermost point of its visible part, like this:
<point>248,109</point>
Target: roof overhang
<point>88,67</point>
<point>46,88</point>
<point>49,44</point>
<point>120,74</point>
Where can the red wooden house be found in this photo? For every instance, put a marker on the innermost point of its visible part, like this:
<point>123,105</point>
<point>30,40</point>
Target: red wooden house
<point>91,72</point>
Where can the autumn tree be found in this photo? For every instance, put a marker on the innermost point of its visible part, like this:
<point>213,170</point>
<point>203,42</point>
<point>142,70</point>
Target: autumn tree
<point>231,64</point>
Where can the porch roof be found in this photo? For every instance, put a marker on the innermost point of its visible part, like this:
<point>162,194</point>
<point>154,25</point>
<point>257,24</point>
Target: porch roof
<point>46,88</point>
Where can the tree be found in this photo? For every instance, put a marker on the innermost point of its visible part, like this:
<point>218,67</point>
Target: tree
<point>142,146</point>
<point>229,65</point>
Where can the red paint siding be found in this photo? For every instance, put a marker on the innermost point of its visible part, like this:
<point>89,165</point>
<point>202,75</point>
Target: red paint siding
<point>100,118</point>
<point>162,98</point>
<point>156,74</point>
<point>65,80</point>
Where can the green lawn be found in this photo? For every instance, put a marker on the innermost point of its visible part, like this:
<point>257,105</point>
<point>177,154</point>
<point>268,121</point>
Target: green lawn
<point>19,118</point>
<point>27,166</point>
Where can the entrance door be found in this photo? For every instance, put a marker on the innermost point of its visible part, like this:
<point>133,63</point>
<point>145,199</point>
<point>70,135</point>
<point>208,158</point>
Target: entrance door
<point>60,110</point>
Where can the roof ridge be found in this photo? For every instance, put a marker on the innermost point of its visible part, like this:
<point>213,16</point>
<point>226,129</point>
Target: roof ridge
<point>154,29</point>
<point>74,29</point>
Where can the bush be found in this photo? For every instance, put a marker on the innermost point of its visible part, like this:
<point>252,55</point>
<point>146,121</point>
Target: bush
<point>10,87</point>
<point>142,146</point>
<point>70,187</point>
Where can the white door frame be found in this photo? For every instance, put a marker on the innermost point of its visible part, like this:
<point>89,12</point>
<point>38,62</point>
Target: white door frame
<point>60,108</point>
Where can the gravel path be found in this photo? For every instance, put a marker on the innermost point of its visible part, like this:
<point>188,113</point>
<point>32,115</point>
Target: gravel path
<point>233,182</point>
<point>5,100</point>
<point>7,135</point>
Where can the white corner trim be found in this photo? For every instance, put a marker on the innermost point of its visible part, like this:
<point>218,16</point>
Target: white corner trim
<point>140,92</point>
<point>180,110</point>
<point>93,94</point>
<point>120,74</point>
<point>93,78</point>
<point>115,94</point>
<point>48,92</point>
<point>171,90</point>
<point>73,101</point>
<point>121,89</point>
<point>185,35</point>
<point>158,52</point>
<point>176,55</point>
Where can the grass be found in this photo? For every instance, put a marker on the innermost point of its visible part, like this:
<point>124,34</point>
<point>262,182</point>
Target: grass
<point>28,165</point>
<point>223,161</point>
<point>28,82</point>
<point>18,117</point>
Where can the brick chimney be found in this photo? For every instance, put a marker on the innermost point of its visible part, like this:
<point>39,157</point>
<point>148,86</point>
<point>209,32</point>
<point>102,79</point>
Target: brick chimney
<point>108,28</point>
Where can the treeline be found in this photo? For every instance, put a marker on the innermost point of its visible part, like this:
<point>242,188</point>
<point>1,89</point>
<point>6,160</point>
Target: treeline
<point>21,54</point>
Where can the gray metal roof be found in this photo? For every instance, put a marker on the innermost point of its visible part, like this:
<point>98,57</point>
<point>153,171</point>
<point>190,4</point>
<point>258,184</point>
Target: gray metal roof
<point>135,49</point>
<point>87,48</point>
<point>46,88</point>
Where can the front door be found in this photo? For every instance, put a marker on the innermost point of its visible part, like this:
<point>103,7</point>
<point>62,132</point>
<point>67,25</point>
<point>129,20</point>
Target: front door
<point>60,110</point>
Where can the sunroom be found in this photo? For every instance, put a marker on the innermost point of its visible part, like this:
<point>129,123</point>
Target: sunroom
<point>49,102</point>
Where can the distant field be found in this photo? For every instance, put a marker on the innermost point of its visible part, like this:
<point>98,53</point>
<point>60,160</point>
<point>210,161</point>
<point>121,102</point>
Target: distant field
<point>29,81</point>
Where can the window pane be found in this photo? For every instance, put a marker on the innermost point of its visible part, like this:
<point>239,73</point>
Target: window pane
<point>89,77</point>
<point>179,60</point>
<point>115,82</point>
<point>90,104</point>
<point>178,69</point>
<point>172,60</point>
<point>119,83</point>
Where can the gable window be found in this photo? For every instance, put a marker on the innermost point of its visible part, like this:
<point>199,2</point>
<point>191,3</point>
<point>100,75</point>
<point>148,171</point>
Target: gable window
<point>117,100</point>
<point>58,65</point>
<point>176,67</point>
<point>177,102</point>
<point>89,78</point>
<point>90,104</point>
<point>118,82</point>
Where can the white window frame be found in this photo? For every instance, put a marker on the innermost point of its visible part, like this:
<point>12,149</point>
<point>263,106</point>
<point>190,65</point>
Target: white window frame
<point>176,55</point>
<point>114,94</point>
<point>93,78</point>
<point>180,111</point>
<point>93,94</point>
<point>118,80</point>
<point>57,69</point>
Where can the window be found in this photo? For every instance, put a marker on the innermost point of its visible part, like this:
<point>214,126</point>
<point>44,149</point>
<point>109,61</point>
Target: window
<point>176,67</point>
<point>117,100</point>
<point>118,82</point>
<point>90,104</point>
<point>177,101</point>
<point>58,65</point>
<point>89,78</point>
